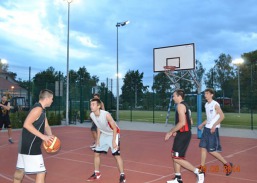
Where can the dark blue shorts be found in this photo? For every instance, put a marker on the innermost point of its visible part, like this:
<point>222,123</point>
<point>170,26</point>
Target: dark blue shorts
<point>210,141</point>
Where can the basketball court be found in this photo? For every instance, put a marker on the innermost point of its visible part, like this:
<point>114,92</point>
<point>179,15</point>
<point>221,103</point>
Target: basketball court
<point>145,153</point>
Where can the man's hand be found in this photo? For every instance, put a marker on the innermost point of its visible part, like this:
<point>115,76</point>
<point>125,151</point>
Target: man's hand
<point>200,126</point>
<point>168,135</point>
<point>213,129</point>
<point>114,145</point>
<point>48,138</point>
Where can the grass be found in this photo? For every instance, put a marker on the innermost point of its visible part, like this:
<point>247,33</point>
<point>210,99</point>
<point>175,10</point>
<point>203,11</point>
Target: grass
<point>231,119</point>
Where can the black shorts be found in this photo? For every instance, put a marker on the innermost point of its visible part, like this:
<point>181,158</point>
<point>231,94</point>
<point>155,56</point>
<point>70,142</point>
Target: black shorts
<point>180,144</point>
<point>5,121</point>
<point>93,127</point>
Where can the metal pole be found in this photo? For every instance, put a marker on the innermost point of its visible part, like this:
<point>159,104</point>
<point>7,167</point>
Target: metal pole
<point>117,107</point>
<point>67,84</point>
<point>251,96</point>
<point>238,89</point>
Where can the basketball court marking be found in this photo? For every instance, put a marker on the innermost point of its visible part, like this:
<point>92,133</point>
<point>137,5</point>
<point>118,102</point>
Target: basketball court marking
<point>7,178</point>
<point>109,166</point>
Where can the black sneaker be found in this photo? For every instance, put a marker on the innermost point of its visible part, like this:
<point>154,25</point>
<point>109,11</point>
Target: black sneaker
<point>175,180</point>
<point>11,141</point>
<point>122,178</point>
<point>228,168</point>
<point>95,176</point>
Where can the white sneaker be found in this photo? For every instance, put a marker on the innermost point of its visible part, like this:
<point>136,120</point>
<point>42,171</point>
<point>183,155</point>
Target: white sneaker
<point>175,180</point>
<point>92,146</point>
<point>200,177</point>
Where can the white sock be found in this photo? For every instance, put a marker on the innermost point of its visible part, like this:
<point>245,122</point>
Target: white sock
<point>196,171</point>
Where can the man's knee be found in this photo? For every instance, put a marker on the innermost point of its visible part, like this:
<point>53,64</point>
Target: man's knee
<point>18,175</point>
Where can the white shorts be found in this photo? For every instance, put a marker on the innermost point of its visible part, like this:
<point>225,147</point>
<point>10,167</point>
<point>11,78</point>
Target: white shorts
<point>106,143</point>
<point>32,164</point>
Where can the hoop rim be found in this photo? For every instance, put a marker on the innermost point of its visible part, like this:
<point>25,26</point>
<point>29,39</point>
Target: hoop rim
<point>169,67</point>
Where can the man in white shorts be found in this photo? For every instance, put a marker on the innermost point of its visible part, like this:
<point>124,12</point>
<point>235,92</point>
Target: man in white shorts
<point>30,159</point>
<point>107,137</point>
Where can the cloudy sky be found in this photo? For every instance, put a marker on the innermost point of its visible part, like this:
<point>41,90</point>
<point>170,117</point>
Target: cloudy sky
<point>33,33</point>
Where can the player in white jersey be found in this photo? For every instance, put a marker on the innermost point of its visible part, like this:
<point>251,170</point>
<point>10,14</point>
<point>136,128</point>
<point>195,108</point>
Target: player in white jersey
<point>210,141</point>
<point>107,137</point>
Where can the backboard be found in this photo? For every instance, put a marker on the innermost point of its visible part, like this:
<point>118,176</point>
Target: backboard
<point>180,56</point>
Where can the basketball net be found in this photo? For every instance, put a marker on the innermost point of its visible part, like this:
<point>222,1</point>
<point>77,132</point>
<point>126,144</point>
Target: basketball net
<point>169,71</point>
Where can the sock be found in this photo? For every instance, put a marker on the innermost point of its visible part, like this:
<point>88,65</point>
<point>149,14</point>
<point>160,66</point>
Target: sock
<point>178,176</point>
<point>97,171</point>
<point>122,173</point>
<point>196,171</point>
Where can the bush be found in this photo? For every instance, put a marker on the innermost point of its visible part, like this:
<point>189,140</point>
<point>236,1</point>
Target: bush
<point>17,119</point>
<point>54,119</point>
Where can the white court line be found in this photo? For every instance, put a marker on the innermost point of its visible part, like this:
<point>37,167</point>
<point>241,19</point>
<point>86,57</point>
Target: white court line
<point>7,178</point>
<point>109,166</point>
<point>230,155</point>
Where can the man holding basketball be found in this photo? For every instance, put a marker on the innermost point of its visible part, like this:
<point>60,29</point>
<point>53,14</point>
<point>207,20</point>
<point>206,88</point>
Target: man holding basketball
<point>182,133</point>
<point>107,137</point>
<point>210,141</point>
<point>30,159</point>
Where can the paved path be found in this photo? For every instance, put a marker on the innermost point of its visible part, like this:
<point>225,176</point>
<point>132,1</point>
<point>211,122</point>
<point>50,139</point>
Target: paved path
<point>160,127</point>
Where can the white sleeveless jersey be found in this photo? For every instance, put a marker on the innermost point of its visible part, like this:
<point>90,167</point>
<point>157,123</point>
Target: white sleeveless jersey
<point>212,116</point>
<point>101,122</point>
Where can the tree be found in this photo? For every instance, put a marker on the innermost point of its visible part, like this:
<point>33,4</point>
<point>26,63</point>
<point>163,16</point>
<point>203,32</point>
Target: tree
<point>43,80</point>
<point>221,76</point>
<point>161,85</point>
<point>248,79</point>
<point>133,88</point>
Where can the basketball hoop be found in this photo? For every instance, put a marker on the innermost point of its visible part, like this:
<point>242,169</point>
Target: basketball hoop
<point>169,70</point>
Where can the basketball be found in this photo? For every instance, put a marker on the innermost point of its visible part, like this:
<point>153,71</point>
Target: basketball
<point>52,147</point>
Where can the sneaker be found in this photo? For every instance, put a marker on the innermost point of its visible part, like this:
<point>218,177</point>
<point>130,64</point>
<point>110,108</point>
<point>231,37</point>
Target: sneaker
<point>202,169</point>
<point>92,146</point>
<point>95,176</point>
<point>122,178</point>
<point>11,141</point>
<point>175,180</point>
<point>228,168</point>
<point>200,177</point>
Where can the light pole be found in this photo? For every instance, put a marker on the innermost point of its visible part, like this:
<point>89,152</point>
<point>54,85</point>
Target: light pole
<point>68,80</point>
<point>119,24</point>
<point>238,62</point>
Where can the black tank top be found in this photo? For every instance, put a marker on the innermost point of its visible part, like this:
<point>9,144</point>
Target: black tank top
<point>4,112</point>
<point>187,126</point>
<point>30,144</point>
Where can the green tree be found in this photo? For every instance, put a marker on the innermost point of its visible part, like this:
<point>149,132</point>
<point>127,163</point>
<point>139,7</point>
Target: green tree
<point>221,76</point>
<point>248,75</point>
<point>133,88</point>
<point>43,80</point>
<point>162,86</point>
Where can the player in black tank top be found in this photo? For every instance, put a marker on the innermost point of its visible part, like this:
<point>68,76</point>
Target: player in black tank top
<point>4,117</point>
<point>182,134</point>
<point>30,159</point>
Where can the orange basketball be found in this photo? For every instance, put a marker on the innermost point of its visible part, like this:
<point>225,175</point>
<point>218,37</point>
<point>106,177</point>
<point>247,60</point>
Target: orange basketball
<point>52,147</point>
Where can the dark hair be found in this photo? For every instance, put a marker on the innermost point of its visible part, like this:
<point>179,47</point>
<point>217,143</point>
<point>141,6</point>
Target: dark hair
<point>45,93</point>
<point>96,94</point>
<point>180,92</point>
<point>98,101</point>
<point>209,90</point>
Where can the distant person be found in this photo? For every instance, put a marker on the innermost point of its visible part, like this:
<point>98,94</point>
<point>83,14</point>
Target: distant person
<point>182,134</point>
<point>210,141</point>
<point>94,127</point>
<point>108,135</point>
<point>30,159</point>
<point>4,117</point>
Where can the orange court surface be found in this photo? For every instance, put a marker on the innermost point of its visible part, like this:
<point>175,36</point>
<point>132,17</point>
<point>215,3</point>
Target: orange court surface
<point>147,158</point>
